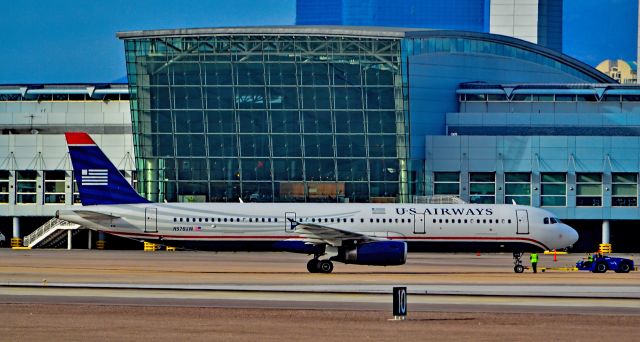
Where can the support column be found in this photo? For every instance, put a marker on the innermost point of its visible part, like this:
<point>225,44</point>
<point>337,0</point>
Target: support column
<point>16,227</point>
<point>69,239</point>
<point>89,239</point>
<point>605,231</point>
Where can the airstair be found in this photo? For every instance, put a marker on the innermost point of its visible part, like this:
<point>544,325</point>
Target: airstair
<point>51,234</point>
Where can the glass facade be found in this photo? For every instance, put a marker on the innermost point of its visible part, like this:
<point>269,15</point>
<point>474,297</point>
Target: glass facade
<point>268,118</point>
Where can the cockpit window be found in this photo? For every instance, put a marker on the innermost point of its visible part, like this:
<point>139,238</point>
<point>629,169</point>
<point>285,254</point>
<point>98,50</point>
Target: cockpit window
<point>555,220</point>
<point>546,220</point>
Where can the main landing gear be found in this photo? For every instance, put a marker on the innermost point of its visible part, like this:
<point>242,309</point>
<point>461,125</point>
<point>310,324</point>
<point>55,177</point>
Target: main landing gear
<point>517,262</point>
<point>319,266</point>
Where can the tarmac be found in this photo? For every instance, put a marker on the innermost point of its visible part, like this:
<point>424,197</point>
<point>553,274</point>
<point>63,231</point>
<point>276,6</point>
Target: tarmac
<point>468,289</point>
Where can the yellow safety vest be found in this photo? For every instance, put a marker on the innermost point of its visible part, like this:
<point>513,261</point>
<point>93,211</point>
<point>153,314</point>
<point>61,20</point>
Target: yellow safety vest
<point>534,257</point>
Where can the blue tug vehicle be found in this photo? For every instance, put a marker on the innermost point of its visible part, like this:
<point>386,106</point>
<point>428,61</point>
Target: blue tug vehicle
<point>600,263</point>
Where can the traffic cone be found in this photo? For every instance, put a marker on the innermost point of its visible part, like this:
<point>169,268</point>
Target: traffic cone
<point>555,255</point>
<point>478,253</point>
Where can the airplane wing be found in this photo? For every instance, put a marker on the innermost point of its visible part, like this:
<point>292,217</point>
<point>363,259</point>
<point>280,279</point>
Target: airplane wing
<point>318,234</point>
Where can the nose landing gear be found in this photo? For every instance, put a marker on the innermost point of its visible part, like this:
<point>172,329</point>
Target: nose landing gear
<point>517,262</point>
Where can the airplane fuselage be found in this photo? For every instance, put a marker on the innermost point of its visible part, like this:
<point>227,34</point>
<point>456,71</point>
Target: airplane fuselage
<point>240,226</point>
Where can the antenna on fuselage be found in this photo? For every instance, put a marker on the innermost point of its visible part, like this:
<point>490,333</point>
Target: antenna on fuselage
<point>513,201</point>
<point>240,199</point>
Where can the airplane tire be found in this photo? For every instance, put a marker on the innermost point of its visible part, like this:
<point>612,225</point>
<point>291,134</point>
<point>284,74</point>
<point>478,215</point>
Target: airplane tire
<point>518,268</point>
<point>601,267</point>
<point>313,266</point>
<point>325,266</point>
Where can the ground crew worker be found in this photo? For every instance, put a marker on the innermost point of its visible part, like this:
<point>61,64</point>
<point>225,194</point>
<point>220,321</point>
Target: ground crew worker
<point>589,259</point>
<point>534,262</point>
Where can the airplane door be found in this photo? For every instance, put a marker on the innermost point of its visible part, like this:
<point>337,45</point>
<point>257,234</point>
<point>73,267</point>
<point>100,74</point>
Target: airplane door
<point>289,222</point>
<point>523,221</point>
<point>151,220</point>
<point>418,223</point>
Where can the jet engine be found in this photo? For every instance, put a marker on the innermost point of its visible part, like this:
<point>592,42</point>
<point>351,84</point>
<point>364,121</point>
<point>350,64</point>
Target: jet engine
<point>379,253</point>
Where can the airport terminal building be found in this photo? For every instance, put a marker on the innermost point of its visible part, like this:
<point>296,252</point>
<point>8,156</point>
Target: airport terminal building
<point>357,114</point>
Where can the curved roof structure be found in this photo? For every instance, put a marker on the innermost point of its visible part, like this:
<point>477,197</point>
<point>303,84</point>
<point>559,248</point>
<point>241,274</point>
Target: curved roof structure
<point>371,32</point>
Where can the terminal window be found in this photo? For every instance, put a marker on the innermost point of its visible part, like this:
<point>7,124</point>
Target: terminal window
<point>588,189</point>
<point>54,187</point>
<point>482,187</point>
<point>554,189</point>
<point>26,186</point>
<point>624,189</point>
<point>4,186</point>
<point>446,183</point>
<point>517,188</point>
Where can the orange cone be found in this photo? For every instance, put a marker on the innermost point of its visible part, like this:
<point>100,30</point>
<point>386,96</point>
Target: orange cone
<point>555,256</point>
<point>478,253</point>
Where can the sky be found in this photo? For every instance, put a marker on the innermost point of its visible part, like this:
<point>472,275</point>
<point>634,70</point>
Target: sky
<point>595,30</point>
<point>73,41</point>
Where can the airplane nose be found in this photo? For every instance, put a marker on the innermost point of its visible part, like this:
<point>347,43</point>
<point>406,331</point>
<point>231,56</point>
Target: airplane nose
<point>570,235</point>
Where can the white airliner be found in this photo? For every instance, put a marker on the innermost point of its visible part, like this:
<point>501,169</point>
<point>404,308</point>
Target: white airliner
<point>362,233</point>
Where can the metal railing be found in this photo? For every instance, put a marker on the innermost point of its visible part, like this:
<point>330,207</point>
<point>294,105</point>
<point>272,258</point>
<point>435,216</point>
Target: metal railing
<point>46,228</point>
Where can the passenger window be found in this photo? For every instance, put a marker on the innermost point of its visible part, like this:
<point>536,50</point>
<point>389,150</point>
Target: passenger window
<point>434,220</point>
<point>371,220</point>
<point>384,220</point>
<point>225,219</point>
<point>275,219</point>
<point>409,220</point>
<point>459,220</point>
<point>377,220</point>
<point>509,221</point>
<point>465,220</point>
<point>402,220</point>
<point>484,221</point>
<point>440,220</point>
<point>174,219</point>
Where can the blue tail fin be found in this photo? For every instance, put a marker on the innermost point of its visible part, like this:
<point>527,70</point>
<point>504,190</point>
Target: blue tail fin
<point>99,182</point>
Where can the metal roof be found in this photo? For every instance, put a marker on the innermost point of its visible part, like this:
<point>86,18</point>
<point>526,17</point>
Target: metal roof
<point>344,31</point>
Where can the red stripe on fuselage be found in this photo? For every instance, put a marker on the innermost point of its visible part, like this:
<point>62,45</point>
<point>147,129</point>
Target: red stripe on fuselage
<point>78,138</point>
<point>285,237</point>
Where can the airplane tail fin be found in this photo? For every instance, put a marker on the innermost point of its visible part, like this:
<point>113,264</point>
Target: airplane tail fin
<point>98,180</point>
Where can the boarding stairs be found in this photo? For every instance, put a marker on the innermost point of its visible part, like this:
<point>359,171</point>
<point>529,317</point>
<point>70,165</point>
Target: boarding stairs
<point>51,234</point>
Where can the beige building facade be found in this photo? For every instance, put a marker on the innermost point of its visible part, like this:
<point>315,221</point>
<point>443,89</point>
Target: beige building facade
<point>622,71</point>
